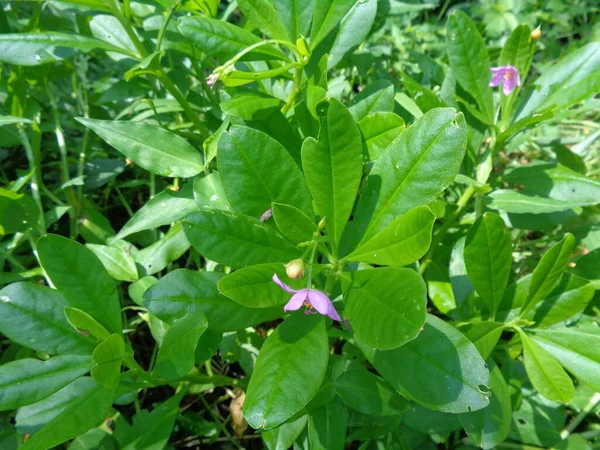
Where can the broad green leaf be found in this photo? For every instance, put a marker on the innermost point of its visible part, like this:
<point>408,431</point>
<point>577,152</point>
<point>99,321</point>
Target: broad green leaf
<point>9,120</point>
<point>250,105</point>
<point>489,426</point>
<point>163,252</point>
<point>469,60</point>
<point>256,170</point>
<point>439,353</point>
<point>264,16</point>
<point>236,240</point>
<point>354,29</point>
<point>94,439</point>
<point>151,430</point>
<point>33,316</point>
<point>439,287</point>
<point>18,212</point>
<point>108,29</point>
<point>293,223</point>
<point>27,381</point>
<point>163,209</point>
<point>588,267</point>
<point>413,171</point>
<point>117,262</point>
<point>569,81</point>
<point>327,426</point>
<point>376,97</point>
<point>296,15</point>
<point>107,358</point>
<point>484,335</point>
<point>32,49</point>
<point>548,271</point>
<point>84,323</point>
<point>379,130</point>
<point>327,15</point>
<point>79,415</point>
<point>176,356</point>
<point>488,258</point>
<point>515,202</point>
<point>545,373</point>
<point>184,292</point>
<point>253,286</point>
<point>333,166</point>
<point>283,437</point>
<point>224,40</point>
<point>369,394</point>
<point>289,370</point>
<point>151,147</point>
<point>402,242</point>
<point>80,276</point>
<point>577,350</point>
<point>209,193</point>
<point>537,421</point>
<point>556,182</point>
<point>386,306</point>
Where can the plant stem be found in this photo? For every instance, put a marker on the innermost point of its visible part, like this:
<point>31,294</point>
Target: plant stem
<point>36,180</point>
<point>114,5</point>
<point>218,421</point>
<point>293,92</point>
<point>592,403</point>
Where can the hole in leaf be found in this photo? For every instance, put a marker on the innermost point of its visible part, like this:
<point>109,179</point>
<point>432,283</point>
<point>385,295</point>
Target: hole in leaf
<point>469,408</point>
<point>484,390</point>
<point>521,421</point>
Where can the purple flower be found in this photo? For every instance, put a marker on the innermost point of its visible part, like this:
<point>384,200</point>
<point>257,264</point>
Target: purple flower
<point>507,75</point>
<point>311,298</point>
<point>212,79</point>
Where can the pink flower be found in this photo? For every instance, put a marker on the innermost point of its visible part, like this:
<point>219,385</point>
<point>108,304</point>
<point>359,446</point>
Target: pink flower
<point>212,79</point>
<point>507,75</point>
<point>311,298</point>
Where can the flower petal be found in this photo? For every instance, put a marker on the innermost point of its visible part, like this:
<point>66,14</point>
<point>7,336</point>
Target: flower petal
<point>518,77</point>
<point>296,301</point>
<point>509,85</point>
<point>498,70</point>
<point>282,285</point>
<point>497,79</point>
<point>322,304</point>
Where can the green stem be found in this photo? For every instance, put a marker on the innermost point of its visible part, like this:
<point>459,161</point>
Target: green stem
<point>36,180</point>
<point>114,5</point>
<point>590,406</point>
<point>163,30</point>
<point>293,92</point>
<point>310,263</point>
<point>218,421</point>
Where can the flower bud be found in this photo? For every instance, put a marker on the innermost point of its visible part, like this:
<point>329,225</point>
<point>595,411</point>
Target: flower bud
<point>536,34</point>
<point>322,223</point>
<point>295,268</point>
<point>302,47</point>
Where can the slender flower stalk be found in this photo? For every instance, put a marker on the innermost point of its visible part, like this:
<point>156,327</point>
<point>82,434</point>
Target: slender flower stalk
<point>314,301</point>
<point>508,76</point>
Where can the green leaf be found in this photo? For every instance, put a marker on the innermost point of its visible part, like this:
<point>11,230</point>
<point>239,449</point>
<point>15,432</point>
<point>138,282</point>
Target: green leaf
<point>488,258</point>
<point>545,373</point>
<point>469,60</point>
<point>354,29</point>
<point>18,212</point>
<point>489,426</point>
<point>183,292</point>
<point>33,316</point>
<point>576,349</point>
<point>9,120</point>
<point>176,356</point>
<point>250,105</point>
<point>515,202</point>
<point>284,436</point>
<point>224,40</point>
<point>80,276</point>
<point>386,306</point>
<point>253,286</point>
<point>570,80</point>
<point>289,370</point>
<point>264,16</point>
<point>27,381</point>
<point>163,209</point>
<point>369,394</point>
<point>32,49</point>
<point>402,242</point>
<point>163,252</point>
<point>256,170</point>
<point>376,97</point>
<point>413,171</point>
<point>484,335</point>
<point>236,240</point>
<point>440,353</point>
<point>108,29</point>
<point>80,414</point>
<point>296,15</point>
<point>152,148</point>
<point>333,167</point>
<point>84,323</point>
<point>107,358</point>
<point>327,426</point>
<point>327,15</point>
<point>548,272</point>
<point>209,193</point>
<point>117,262</point>
<point>293,223</point>
<point>379,130</point>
